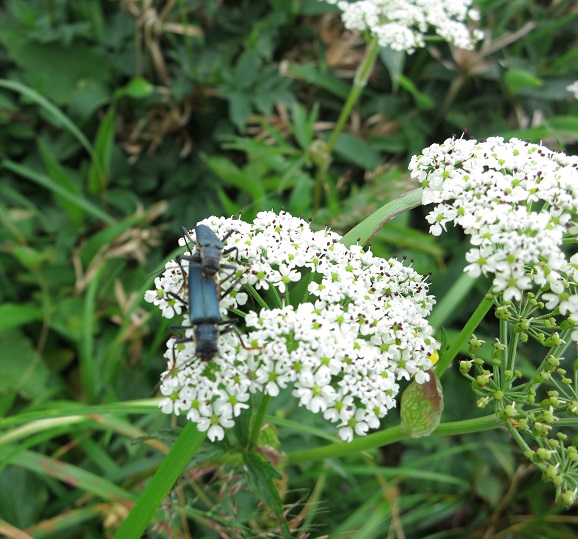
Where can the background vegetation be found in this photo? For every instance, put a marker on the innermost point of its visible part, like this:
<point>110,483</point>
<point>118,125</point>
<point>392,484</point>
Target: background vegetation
<point>122,121</point>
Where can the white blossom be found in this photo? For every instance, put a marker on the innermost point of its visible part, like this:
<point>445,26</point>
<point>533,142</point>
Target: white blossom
<point>573,89</point>
<point>403,24</point>
<point>518,202</point>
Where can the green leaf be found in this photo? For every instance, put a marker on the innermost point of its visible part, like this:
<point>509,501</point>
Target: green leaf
<point>327,81</point>
<point>422,406</point>
<point>100,164</point>
<point>239,108</point>
<point>520,78</point>
<point>38,61</point>
<point>137,88</point>
<point>423,101</point>
<point>22,497</point>
<point>59,118</point>
<point>301,197</point>
<point>232,175</point>
<point>365,230</point>
<point>357,151</point>
<point>565,126</point>
<point>13,315</point>
<point>247,69</point>
<point>18,363</point>
<point>393,61</point>
<point>43,181</point>
<point>147,504</point>
<point>261,475</point>
<point>303,124</point>
<point>60,177</point>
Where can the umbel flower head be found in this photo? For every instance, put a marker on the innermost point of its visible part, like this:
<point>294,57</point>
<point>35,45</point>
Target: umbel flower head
<point>341,340</point>
<point>518,202</point>
<point>402,24</point>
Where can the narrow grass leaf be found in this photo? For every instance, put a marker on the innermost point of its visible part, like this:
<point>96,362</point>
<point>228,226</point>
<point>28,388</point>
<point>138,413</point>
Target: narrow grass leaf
<point>100,164</point>
<point>365,230</point>
<point>186,446</point>
<point>47,183</point>
<point>59,177</point>
<point>71,475</point>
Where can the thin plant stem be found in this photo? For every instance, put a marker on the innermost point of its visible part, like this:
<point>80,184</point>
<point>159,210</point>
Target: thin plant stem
<point>389,436</point>
<point>259,419</point>
<point>449,355</point>
<point>359,82</point>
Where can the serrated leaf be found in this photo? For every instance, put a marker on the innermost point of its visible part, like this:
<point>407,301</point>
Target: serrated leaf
<point>422,406</point>
<point>239,108</point>
<point>247,69</point>
<point>261,476</point>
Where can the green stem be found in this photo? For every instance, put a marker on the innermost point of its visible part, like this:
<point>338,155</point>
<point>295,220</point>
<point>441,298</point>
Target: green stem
<point>463,337</point>
<point>359,82</point>
<point>185,447</point>
<point>448,305</point>
<point>389,436</point>
<point>259,419</point>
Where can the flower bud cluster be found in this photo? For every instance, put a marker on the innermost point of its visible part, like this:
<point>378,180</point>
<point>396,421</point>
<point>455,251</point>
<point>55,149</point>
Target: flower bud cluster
<point>402,24</point>
<point>541,412</point>
<point>341,340</point>
<point>518,202</point>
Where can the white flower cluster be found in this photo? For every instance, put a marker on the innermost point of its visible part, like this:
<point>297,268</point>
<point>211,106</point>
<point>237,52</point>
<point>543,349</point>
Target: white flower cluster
<point>401,24</point>
<point>359,328</point>
<point>518,202</point>
<point>573,89</point>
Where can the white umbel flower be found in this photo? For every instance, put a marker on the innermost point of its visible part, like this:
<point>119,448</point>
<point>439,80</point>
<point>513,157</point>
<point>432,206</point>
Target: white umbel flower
<point>518,202</point>
<point>403,24</point>
<point>341,346</point>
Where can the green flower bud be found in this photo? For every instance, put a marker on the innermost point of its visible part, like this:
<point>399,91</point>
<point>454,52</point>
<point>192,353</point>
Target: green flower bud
<point>482,402</point>
<point>572,408</point>
<point>553,361</point>
<point>567,498</point>
<point>540,429</point>
<point>553,340</point>
<point>552,472</point>
<point>465,367</point>
<point>542,454</point>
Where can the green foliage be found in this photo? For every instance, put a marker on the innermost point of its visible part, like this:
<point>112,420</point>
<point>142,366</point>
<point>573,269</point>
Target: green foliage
<point>122,121</point>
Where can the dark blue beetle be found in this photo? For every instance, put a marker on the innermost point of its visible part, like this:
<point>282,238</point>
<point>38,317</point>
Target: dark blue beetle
<point>204,313</point>
<point>209,250</point>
